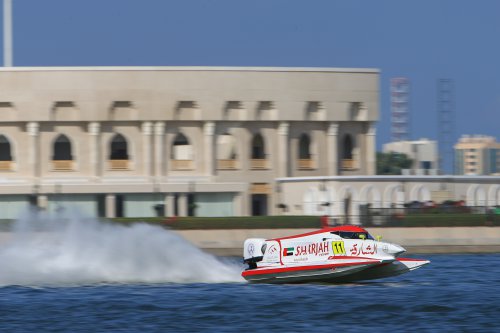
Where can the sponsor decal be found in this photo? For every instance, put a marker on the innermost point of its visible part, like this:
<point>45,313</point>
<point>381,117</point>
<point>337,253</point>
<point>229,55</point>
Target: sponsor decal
<point>288,251</point>
<point>363,249</point>
<point>338,248</point>
<point>251,249</point>
<point>316,249</point>
<point>273,253</point>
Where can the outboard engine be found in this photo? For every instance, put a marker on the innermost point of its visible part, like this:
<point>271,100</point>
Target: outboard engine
<point>253,251</point>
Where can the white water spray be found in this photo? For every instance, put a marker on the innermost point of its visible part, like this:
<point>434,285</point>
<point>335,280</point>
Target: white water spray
<point>69,249</point>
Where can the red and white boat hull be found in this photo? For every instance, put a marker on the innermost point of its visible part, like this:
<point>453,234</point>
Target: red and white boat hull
<point>328,255</point>
<point>311,273</point>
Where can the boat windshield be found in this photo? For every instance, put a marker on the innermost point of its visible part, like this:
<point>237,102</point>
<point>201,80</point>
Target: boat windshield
<point>353,235</point>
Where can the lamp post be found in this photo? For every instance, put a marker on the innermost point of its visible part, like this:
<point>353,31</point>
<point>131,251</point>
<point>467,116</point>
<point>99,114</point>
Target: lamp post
<point>7,33</point>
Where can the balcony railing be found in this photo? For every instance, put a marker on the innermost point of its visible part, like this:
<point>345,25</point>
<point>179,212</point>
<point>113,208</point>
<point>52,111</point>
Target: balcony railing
<point>258,164</point>
<point>227,164</point>
<point>182,164</point>
<point>306,164</point>
<point>348,164</point>
<point>119,165</point>
<point>62,165</point>
<point>6,165</point>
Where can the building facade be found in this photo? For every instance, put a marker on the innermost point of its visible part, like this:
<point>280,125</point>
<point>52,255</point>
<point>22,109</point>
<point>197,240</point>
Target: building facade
<point>477,155</point>
<point>423,152</point>
<point>344,197</point>
<point>205,141</point>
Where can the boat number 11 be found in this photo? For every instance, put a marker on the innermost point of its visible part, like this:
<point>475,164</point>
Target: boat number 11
<point>338,247</point>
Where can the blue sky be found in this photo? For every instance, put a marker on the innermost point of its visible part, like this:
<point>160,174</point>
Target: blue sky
<point>423,40</point>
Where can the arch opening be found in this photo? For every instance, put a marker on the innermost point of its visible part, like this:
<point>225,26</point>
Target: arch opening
<point>258,150</point>
<point>304,147</point>
<point>5,149</point>
<point>62,149</point>
<point>119,148</point>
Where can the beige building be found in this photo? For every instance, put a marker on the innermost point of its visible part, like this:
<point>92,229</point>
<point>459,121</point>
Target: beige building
<point>203,141</point>
<point>345,197</point>
<point>423,152</point>
<point>477,155</point>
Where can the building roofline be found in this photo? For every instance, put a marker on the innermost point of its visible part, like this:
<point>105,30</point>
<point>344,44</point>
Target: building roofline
<point>191,68</point>
<point>448,178</point>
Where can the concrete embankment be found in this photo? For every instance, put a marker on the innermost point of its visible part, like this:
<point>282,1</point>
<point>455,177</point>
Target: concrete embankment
<point>415,240</point>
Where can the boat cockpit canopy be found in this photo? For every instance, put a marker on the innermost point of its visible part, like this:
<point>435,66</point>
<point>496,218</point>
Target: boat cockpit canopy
<point>353,234</point>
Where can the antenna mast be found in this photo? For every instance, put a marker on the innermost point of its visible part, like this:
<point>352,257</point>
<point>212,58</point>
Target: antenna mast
<point>400,115</point>
<point>446,123</point>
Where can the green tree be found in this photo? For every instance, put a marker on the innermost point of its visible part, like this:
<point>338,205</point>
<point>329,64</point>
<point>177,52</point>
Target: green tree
<point>392,163</point>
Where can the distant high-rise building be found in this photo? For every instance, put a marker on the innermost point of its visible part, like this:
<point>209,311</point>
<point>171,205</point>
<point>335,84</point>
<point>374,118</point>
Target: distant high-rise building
<point>477,155</point>
<point>400,113</point>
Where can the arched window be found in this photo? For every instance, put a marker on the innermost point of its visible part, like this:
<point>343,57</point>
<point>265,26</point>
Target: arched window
<point>304,147</point>
<point>5,152</point>
<point>226,152</point>
<point>226,147</point>
<point>182,149</point>
<point>62,149</point>
<point>181,140</point>
<point>258,148</point>
<point>119,150</point>
<point>348,147</point>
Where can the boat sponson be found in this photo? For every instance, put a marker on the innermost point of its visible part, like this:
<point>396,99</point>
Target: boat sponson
<point>310,273</point>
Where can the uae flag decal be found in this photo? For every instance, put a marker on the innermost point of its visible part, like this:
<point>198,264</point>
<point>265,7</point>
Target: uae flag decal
<point>288,251</point>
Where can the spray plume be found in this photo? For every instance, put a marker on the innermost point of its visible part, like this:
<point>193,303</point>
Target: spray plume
<point>44,249</point>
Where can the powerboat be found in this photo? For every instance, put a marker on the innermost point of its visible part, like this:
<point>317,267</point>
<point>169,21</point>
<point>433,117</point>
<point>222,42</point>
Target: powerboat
<point>331,255</point>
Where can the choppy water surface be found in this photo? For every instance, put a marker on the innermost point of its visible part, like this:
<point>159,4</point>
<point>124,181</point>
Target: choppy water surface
<point>148,280</point>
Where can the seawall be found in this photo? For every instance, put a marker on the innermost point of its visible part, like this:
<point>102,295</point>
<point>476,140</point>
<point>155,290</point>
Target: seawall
<point>415,240</point>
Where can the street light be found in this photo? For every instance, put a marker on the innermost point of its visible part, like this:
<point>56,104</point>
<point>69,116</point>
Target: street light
<point>7,33</point>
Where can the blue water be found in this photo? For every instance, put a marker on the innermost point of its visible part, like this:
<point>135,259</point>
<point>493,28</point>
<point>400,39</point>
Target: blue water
<point>455,293</point>
<point>74,274</point>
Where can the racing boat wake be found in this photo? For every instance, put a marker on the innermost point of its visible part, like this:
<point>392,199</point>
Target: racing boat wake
<point>70,250</point>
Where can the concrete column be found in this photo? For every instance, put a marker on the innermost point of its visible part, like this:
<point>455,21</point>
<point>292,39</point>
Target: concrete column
<point>33,131</point>
<point>238,204</point>
<point>158,149</point>
<point>332,149</point>
<point>42,201</point>
<point>169,204</point>
<point>182,202</point>
<point>110,205</point>
<point>283,162</point>
<point>94,130</point>
<point>147,132</point>
<point>370,154</point>
<point>208,133</point>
